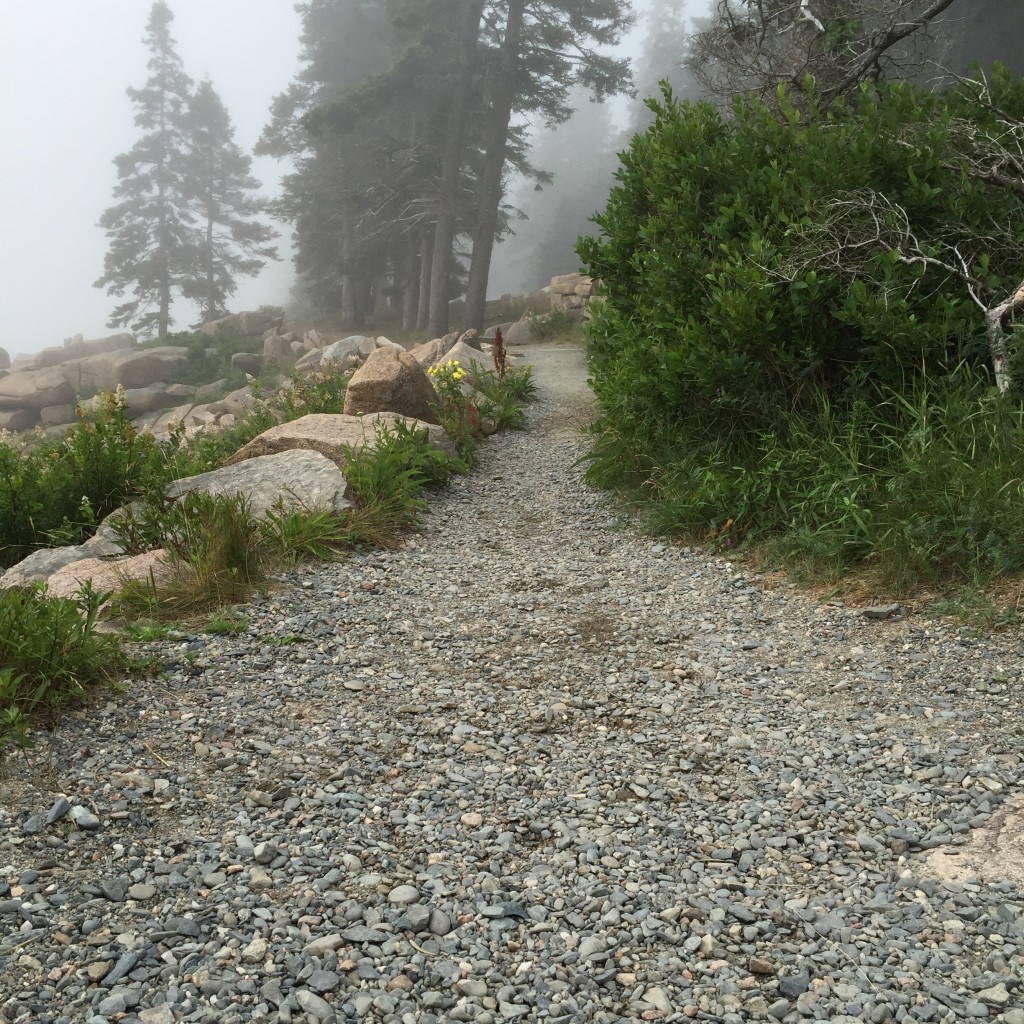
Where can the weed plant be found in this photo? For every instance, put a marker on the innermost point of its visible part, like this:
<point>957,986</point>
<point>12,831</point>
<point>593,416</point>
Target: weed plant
<point>51,653</point>
<point>918,487</point>
<point>218,552</point>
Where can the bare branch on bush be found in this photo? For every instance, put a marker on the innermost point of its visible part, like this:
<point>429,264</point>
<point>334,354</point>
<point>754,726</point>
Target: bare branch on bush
<point>754,46</point>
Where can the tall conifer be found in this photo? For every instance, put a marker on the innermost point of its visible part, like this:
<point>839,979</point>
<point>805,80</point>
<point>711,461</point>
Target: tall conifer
<point>148,227</point>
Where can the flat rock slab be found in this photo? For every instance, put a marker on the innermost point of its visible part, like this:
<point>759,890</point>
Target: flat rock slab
<point>332,435</point>
<point>305,478</point>
<point>995,852</point>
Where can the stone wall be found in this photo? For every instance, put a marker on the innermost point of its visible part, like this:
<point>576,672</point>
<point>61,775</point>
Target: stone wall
<point>572,291</point>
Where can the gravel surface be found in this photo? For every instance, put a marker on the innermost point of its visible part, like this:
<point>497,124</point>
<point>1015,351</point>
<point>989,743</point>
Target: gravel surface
<point>533,767</point>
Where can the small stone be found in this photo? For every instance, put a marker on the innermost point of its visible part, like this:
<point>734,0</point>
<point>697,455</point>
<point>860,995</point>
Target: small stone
<point>99,969</point>
<point>792,986</point>
<point>125,965</point>
<point>324,944</point>
<point>472,987</point>
<point>440,923</point>
<point>264,853</point>
<point>161,1014</point>
<point>316,1007</point>
<point>84,819</point>
<point>33,825</point>
<point>323,981</point>
<point>115,889</point>
<point>757,966</point>
<point>416,918</point>
<point>142,891</point>
<point>881,611</point>
<point>403,894</point>
<point>112,1004</point>
<point>779,1009</point>
<point>361,933</point>
<point>259,880</point>
<point>256,951</point>
<point>995,996</point>
<point>472,818</point>
<point>658,998</point>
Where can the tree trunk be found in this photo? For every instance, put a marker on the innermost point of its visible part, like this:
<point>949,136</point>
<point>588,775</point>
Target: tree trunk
<point>490,187</point>
<point>381,307</point>
<point>164,322</point>
<point>350,313</point>
<point>451,167</point>
<point>426,257</point>
<point>995,332</point>
<point>411,283</point>
<point>211,285</point>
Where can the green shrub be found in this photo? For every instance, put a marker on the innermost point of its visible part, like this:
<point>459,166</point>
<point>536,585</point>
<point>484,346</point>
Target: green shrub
<point>717,316</point>
<point>55,490</point>
<point>51,654</point>
<point>756,381</point>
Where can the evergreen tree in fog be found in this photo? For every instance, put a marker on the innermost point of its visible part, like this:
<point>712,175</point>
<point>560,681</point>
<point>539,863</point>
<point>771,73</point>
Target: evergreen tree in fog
<point>184,221</point>
<point>227,239</point>
<point>148,227</point>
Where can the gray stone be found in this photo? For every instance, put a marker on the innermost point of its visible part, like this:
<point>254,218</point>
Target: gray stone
<point>315,1006</point>
<point>60,807</point>
<point>794,985</point>
<point>403,894</point>
<point>304,478</point>
<point>84,819</point>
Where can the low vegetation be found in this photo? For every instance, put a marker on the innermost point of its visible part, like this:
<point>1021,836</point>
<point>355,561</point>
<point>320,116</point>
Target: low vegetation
<point>56,490</point>
<point>216,551</point>
<point>50,654</point>
<point>793,365</point>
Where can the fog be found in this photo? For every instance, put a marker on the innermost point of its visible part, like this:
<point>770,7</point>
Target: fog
<point>65,116</point>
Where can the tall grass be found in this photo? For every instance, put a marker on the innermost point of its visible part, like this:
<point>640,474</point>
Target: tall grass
<point>923,487</point>
<point>50,655</point>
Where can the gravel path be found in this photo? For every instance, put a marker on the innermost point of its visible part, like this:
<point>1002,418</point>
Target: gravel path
<point>534,767</point>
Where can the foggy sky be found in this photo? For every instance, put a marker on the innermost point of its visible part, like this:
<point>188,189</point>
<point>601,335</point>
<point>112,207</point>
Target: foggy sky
<point>64,116</point>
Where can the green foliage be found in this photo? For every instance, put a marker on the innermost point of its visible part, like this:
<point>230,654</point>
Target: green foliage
<point>920,486</point>
<point>762,379</point>
<point>559,324</point>
<point>55,490</point>
<point>322,391</point>
<point>220,624</point>
<point>717,314</point>
<point>216,555</point>
<point>519,383</point>
<point>51,654</point>
<point>474,400</point>
<point>455,409</point>
<point>219,552</point>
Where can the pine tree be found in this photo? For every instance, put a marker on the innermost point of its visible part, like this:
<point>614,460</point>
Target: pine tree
<point>663,59</point>
<point>539,53</point>
<point>149,227</point>
<point>227,240</point>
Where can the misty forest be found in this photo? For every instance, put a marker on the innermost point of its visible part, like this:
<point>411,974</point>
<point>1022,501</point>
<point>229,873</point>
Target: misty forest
<point>801,218</point>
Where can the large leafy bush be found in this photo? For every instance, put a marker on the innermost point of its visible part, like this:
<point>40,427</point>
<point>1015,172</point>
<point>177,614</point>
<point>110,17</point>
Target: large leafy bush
<point>717,314</point>
<point>788,349</point>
